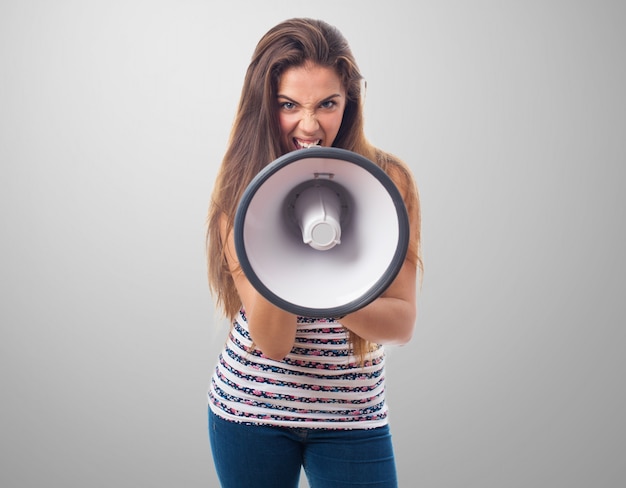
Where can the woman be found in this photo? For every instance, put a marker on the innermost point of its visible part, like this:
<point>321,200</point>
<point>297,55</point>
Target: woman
<point>291,392</point>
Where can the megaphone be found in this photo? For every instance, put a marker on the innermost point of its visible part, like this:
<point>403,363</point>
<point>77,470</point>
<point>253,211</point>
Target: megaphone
<point>321,232</point>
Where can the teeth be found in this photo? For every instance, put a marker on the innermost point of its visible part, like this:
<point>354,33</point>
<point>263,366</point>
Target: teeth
<point>306,145</point>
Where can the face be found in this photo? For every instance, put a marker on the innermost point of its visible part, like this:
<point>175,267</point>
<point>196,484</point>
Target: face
<point>311,101</point>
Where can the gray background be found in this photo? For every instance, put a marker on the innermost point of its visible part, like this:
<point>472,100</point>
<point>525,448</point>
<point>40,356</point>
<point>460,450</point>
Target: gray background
<point>113,118</point>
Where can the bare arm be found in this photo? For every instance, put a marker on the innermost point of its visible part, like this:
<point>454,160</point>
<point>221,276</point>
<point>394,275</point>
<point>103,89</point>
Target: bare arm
<point>390,319</point>
<point>273,330</point>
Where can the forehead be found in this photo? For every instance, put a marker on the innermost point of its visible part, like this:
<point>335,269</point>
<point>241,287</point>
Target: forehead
<point>310,81</point>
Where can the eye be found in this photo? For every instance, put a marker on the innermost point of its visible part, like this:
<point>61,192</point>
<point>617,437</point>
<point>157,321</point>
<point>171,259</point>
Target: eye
<point>287,105</point>
<point>328,104</point>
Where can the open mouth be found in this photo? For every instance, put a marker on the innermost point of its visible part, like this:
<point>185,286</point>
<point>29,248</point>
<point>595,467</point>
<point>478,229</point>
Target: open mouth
<point>300,144</point>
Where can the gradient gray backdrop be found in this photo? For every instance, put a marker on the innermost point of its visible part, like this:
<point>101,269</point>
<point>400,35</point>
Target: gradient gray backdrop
<point>113,118</point>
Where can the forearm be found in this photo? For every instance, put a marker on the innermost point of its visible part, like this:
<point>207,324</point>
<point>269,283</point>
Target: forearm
<point>386,320</point>
<point>273,330</point>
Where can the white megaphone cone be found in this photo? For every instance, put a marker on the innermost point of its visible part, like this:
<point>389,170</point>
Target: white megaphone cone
<point>321,232</point>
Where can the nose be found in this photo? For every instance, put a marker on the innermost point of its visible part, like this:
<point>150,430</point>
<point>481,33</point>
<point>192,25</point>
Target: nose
<point>309,123</point>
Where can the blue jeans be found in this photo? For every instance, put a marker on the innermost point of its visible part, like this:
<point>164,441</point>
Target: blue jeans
<point>257,456</point>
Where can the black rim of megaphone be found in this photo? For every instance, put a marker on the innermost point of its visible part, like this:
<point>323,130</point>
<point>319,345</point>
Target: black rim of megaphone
<point>328,153</point>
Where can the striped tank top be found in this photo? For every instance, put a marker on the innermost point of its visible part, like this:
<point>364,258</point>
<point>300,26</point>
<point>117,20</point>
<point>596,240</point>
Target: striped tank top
<point>319,384</point>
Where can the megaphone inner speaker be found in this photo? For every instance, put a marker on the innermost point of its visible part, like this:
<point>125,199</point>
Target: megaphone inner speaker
<point>358,230</point>
<point>318,210</point>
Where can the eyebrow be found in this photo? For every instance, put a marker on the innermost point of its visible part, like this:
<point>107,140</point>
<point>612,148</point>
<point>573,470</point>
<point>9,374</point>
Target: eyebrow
<point>335,95</point>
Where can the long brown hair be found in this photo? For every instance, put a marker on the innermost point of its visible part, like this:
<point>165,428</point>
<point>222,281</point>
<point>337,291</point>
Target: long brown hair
<point>255,136</point>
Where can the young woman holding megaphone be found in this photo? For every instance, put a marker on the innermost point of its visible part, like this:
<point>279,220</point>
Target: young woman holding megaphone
<point>313,253</point>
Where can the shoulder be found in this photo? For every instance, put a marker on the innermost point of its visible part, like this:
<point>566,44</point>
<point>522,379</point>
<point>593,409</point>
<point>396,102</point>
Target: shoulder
<point>399,172</point>
<point>402,176</point>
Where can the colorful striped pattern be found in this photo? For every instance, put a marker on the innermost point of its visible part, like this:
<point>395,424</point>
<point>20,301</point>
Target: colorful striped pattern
<point>318,385</point>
